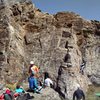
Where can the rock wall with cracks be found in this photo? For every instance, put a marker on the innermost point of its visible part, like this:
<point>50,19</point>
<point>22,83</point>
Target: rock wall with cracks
<point>57,43</point>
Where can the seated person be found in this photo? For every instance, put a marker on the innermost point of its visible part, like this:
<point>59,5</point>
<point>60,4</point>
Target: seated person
<point>48,82</point>
<point>33,83</point>
<point>19,89</point>
<point>20,92</point>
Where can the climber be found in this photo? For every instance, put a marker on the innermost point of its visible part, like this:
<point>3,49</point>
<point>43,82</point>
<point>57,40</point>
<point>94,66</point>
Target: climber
<point>79,94</point>
<point>33,69</point>
<point>20,94</point>
<point>48,82</point>
<point>82,66</point>
<point>33,84</point>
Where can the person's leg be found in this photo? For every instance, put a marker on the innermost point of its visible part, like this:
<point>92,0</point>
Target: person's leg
<point>36,91</point>
<point>82,72</point>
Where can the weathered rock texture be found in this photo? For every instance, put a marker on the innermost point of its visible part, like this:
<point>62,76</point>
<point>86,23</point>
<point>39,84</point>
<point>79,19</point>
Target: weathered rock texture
<point>47,94</point>
<point>57,43</point>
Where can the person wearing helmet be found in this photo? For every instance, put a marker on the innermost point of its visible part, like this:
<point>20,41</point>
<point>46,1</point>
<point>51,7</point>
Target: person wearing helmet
<point>31,64</point>
<point>33,69</point>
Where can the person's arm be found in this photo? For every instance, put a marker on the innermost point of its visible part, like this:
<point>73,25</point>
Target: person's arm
<point>51,82</point>
<point>83,95</point>
<point>74,96</point>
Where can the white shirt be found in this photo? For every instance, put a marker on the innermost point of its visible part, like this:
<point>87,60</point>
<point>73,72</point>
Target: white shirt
<point>48,81</point>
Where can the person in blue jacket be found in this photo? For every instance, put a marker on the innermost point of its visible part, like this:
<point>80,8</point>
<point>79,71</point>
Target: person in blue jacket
<point>33,83</point>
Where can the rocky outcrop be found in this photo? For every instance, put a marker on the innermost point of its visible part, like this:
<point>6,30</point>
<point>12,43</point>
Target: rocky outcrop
<point>47,94</point>
<point>57,43</point>
<point>92,54</point>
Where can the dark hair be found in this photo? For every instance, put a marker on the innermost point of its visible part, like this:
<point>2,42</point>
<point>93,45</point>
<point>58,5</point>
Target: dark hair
<point>46,75</point>
<point>18,86</point>
<point>32,75</point>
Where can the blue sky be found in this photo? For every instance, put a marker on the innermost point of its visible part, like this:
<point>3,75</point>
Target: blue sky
<point>88,9</point>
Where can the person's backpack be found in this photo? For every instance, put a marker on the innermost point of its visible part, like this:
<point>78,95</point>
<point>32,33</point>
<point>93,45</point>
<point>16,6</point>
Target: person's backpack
<point>7,97</point>
<point>25,96</point>
<point>34,69</point>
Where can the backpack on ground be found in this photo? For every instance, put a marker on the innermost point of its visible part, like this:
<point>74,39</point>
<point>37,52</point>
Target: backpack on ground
<point>7,97</point>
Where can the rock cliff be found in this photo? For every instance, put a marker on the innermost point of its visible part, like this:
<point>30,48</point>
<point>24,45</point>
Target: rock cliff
<point>57,43</point>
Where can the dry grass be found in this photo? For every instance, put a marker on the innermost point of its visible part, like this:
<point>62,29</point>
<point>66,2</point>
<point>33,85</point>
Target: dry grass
<point>11,86</point>
<point>91,92</point>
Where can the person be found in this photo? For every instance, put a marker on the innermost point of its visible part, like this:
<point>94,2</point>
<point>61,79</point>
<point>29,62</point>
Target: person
<point>21,95</point>
<point>33,83</point>
<point>19,89</point>
<point>78,94</point>
<point>48,82</point>
<point>33,69</point>
<point>82,66</point>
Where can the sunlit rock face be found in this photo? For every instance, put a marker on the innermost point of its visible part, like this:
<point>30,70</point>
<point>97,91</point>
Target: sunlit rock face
<point>57,43</point>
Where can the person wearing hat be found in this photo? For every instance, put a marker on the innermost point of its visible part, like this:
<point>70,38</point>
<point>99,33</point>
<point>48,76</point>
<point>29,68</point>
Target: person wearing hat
<point>78,94</point>
<point>33,69</point>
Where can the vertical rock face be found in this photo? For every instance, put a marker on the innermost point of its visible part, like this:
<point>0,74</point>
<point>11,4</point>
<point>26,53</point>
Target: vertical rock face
<point>4,40</point>
<point>57,43</point>
<point>92,54</point>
